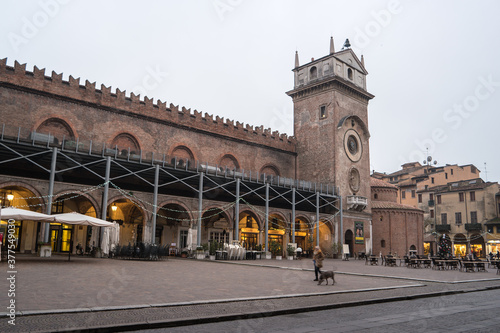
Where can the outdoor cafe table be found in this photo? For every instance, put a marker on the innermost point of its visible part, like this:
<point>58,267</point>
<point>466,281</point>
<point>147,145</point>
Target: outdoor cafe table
<point>373,260</point>
<point>391,261</point>
<point>417,263</point>
<point>448,263</point>
<point>475,265</point>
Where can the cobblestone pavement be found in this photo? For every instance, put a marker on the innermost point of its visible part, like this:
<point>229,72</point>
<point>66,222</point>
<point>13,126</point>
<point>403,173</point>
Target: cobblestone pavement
<point>470,312</point>
<point>54,294</point>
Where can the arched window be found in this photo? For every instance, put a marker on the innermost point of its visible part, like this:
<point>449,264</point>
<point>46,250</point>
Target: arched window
<point>126,142</point>
<point>57,128</point>
<point>349,73</point>
<point>313,73</point>
<point>230,162</point>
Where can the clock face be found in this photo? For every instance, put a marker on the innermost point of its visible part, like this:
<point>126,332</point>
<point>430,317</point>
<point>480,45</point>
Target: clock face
<point>352,145</point>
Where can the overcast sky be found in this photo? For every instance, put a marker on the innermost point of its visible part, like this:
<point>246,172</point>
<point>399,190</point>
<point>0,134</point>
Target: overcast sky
<point>433,65</point>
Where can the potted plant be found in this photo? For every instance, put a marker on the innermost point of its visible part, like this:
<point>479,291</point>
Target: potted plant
<point>212,250</point>
<point>44,249</point>
<point>258,248</point>
<point>290,251</point>
<point>275,249</point>
<point>200,252</point>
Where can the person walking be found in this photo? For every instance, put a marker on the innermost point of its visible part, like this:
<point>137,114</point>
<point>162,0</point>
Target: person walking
<point>318,257</point>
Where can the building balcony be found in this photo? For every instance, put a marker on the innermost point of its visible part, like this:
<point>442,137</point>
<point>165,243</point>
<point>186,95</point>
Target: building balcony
<point>356,202</point>
<point>443,228</point>
<point>473,227</point>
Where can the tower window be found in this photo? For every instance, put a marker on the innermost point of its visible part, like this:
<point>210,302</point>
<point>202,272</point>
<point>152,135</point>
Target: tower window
<point>322,112</point>
<point>349,73</point>
<point>313,73</point>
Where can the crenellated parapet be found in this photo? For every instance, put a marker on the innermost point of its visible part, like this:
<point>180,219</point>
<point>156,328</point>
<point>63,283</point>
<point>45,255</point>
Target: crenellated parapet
<point>103,97</point>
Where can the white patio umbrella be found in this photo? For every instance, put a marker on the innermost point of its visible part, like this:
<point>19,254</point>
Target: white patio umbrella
<point>105,243</point>
<point>77,218</point>
<point>23,214</point>
<point>80,219</point>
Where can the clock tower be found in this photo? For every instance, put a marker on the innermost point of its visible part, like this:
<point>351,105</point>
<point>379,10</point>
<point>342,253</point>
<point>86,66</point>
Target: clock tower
<point>330,102</point>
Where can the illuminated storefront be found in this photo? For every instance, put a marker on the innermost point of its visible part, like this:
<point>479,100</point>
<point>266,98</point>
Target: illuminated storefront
<point>460,245</point>
<point>60,236</point>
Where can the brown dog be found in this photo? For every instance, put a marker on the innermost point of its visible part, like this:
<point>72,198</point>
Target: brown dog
<point>325,276</point>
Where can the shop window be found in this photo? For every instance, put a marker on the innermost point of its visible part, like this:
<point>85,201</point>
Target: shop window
<point>58,207</point>
<point>220,237</point>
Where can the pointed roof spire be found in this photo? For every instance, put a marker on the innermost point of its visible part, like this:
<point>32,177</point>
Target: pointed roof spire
<point>362,60</point>
<point>332,48</point>
<point>296,59</point>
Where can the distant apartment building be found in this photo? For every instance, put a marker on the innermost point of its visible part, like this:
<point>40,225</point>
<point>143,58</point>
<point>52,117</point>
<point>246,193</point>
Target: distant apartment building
<point>456,202</point>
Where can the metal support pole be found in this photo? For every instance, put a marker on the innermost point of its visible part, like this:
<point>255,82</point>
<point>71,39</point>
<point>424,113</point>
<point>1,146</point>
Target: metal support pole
<point>293,215</point>
<point>104,210</point>
<point>200,207</point>
<point>317,218</point>
<point>155,203</point>
<point>237,211</point>
<point>46,229</point>
<point>341,232</point>
<point>267,216</point>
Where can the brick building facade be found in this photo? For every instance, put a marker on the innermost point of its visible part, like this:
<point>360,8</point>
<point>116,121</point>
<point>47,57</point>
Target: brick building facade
<point>397,228</point>
<point>328,159</point>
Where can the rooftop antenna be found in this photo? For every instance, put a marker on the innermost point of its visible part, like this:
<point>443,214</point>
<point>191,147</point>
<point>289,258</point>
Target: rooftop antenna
<point>428,161</point>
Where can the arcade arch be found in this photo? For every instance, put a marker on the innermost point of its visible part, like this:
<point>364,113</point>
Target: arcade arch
<point>173,226</point>
<point>130,216</point>
<point>249,230</point>
<point>24,197</point>
<point>215,226</point>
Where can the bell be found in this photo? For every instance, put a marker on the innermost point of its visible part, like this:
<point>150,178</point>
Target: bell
<point>346,43</point>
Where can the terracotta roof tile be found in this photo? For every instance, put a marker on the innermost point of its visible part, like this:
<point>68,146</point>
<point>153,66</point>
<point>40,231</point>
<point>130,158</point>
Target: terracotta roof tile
<point>374,182</point>
<point>392,205</point>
